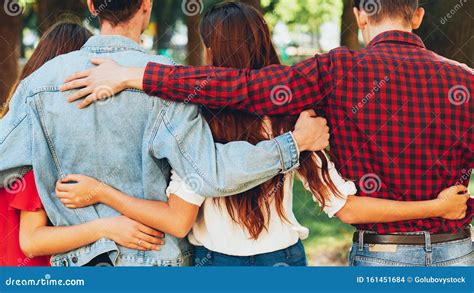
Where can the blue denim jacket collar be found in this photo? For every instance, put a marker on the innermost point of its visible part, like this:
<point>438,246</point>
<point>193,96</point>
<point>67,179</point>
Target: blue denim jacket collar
<point>111,43</point>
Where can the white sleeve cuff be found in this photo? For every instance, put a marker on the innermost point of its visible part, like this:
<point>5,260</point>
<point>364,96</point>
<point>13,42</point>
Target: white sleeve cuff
<point>179,188</point>
<point>335,203</point>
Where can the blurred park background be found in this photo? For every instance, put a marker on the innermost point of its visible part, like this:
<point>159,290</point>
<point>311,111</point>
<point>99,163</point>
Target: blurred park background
<point>301,28</point>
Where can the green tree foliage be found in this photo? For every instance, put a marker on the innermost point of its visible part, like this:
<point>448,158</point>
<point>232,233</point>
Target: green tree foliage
<point>305,15</point>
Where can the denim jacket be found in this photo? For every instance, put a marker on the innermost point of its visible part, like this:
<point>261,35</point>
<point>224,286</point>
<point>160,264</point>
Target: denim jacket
<point>130,142</point>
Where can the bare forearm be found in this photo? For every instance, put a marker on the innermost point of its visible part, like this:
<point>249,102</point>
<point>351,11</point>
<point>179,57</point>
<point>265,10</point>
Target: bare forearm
<point>155,214</point>
<point>46,240</point>
<point>366,210</point>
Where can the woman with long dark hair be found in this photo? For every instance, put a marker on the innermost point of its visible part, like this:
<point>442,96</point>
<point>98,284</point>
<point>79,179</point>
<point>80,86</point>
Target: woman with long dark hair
<point>26,237</point>
<point>257,227</point>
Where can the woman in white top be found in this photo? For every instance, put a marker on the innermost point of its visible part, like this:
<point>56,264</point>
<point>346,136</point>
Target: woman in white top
<point>257,227</point>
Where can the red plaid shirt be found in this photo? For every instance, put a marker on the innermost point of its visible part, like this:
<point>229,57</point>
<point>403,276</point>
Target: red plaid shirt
<point>400,115</point>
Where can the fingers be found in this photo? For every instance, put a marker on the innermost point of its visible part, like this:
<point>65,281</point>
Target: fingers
<point>98,61</point>
<point>63,187</point>
<point>141,244</point>
<point>65,200</point>
<point>88,101</point>
<point>322,122</point>
<point>72,178</point>
<point>150,242</point>
<point>150,231</point>
<point>459,189</point>
<point>75,76</point>
<point>80,94</point>
<point>308,113</point>
<point>462,215</point>
<point>136,246</point>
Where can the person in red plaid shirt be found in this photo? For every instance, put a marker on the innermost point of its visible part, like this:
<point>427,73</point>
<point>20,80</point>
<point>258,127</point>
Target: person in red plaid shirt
<point>401,119</point>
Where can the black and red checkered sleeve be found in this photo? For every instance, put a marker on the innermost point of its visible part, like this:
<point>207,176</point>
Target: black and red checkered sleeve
<point>276,89</point>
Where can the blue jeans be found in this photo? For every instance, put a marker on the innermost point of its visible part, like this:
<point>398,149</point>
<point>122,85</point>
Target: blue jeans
<point>454,253</point>
<point>291,256</point>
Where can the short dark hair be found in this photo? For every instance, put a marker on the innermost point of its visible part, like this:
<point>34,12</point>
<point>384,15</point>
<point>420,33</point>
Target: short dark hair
<point>382,9</point>
<point>116,11</point>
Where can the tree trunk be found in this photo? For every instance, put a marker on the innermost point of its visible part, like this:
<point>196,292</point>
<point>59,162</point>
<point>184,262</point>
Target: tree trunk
<point>50,11</point>
<point>349,29</point>
<point>166,13</point>
<point>10,31</point>
<point>254,3</point>
<point>448,28</point>
<point>194,42</point>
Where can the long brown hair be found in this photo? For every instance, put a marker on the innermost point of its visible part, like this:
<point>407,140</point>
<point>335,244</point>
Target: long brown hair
<point>62,38</point>
<point>237,36</point>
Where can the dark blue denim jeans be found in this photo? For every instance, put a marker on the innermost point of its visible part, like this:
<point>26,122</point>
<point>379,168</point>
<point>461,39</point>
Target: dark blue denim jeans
<point>291,256</point>
<point>453,253</point>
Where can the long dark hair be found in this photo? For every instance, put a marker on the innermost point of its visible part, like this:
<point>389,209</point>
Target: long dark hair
<point>62,38</point>
<point>238,37</point>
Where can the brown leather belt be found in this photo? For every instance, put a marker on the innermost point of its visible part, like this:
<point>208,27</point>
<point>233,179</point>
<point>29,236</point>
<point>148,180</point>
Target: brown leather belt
<point>409,239</point>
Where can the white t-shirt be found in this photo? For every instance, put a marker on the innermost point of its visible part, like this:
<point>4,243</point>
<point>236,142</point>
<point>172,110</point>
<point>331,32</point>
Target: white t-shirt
<point>215,229</point>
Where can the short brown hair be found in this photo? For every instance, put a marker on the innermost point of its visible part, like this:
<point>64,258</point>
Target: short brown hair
<point>379,10</point>
<point>116,11</point>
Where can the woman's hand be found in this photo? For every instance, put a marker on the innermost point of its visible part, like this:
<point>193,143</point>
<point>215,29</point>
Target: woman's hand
<point>131,234</point>
<point>78,191</point>
<point>102,82</point>
<point>453,202</point>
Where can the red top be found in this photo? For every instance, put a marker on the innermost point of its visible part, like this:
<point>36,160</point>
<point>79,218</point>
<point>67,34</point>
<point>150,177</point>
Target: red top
<point>19,196</point>
<point>400,115</point>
